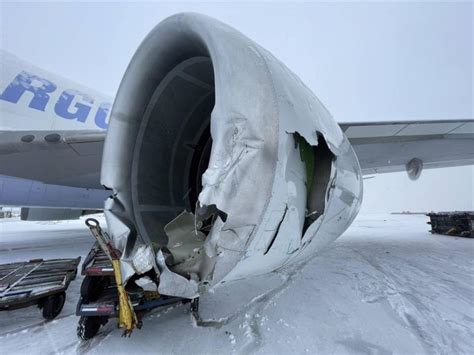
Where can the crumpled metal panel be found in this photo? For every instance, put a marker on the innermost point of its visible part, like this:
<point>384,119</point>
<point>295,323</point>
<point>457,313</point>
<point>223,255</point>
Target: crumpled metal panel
<point>254,172</point>
<point>172,283</point>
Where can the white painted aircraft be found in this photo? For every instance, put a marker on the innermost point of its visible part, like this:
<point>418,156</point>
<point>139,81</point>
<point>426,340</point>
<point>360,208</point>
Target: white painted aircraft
<point>51,137</point>
<point>219,161</point>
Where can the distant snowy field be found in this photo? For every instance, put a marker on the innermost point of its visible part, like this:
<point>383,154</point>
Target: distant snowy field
<point>386,286</point>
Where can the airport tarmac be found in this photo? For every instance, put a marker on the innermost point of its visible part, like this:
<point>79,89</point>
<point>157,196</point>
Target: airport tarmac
<point>386,286</point>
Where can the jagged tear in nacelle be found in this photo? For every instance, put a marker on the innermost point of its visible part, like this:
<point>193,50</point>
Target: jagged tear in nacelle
<point>222,163</point>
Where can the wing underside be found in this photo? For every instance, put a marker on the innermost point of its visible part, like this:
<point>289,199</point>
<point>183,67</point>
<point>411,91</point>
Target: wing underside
<point>70,158</point>
<point>384,147</point>
<point>73,158</point>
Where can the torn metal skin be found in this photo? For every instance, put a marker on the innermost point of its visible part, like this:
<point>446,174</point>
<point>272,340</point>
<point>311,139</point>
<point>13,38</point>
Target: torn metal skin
<point>259,207</point>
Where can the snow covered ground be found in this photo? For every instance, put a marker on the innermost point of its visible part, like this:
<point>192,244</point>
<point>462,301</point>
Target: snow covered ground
<point>386,286</point>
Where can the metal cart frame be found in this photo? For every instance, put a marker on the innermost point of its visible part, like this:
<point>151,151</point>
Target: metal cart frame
<point>38,281</point>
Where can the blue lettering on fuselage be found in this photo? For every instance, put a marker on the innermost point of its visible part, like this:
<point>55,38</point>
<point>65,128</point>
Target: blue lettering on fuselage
<point>24,82</point>
<point>101,115</point>
<point>64,108</point>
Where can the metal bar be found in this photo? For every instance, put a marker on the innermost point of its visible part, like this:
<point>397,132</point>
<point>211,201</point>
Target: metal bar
<point>41,281</point>
<point>19,280</point>
<point>44,288</point>
<point>35,276</point>
<point>13,271</point>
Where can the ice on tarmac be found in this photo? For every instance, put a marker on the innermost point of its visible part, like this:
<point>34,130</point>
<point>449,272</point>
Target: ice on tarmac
<point>386,286</point>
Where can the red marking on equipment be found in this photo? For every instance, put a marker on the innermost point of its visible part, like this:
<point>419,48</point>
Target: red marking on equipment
<point>93,270</point>
<point>104,309</point>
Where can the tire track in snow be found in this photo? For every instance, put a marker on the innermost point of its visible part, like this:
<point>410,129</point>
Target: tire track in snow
<point>252,310</point>
<point>416,314</point>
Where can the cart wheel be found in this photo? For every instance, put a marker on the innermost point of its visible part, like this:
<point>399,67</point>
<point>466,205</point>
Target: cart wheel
<point>52,305</point>
<point>92,287</point>
<point>88,327</point>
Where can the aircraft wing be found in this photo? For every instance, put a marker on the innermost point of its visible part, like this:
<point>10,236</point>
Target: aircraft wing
<point>384,147</point>
<point>71,158</point>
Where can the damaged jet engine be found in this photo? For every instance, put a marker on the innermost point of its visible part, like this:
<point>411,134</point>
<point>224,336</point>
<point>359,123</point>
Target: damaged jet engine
<point>222,163</point>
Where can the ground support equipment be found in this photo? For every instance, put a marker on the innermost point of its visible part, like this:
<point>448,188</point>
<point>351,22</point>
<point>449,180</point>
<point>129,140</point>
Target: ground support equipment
<point>101,298</point>
<point>38,281</point>
<point>459,224</point>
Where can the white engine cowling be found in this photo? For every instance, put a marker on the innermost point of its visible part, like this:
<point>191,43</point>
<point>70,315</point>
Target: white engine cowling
<point>223,164</point>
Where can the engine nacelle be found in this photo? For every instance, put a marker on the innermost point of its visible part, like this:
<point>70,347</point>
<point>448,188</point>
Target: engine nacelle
<point>223,164</point>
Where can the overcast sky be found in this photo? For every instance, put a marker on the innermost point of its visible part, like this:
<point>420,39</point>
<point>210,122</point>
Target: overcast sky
<point>366,61</point>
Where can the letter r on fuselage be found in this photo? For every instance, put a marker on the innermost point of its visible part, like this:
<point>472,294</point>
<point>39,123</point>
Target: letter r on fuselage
<point>23,82</point>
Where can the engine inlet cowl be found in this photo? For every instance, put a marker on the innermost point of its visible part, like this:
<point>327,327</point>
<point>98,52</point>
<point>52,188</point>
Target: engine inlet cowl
<point>222,162</point>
